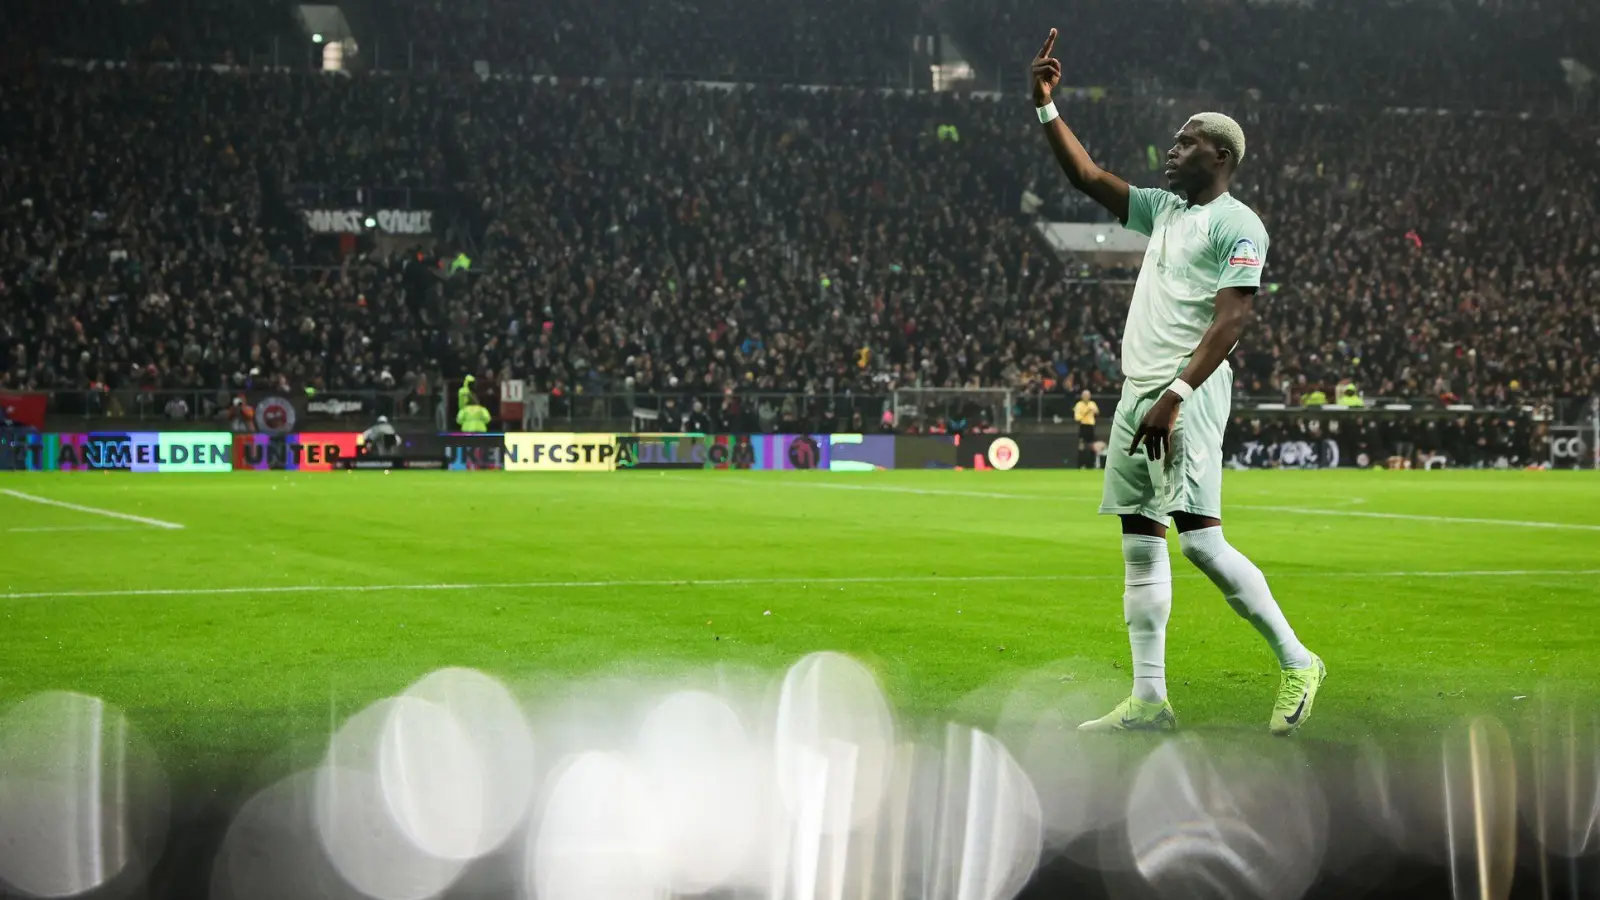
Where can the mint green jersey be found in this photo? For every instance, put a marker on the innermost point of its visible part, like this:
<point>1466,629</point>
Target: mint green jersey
<point>1194,252</point>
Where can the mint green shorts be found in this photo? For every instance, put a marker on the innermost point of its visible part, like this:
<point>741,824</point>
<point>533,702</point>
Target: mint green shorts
<point>1190,479</point>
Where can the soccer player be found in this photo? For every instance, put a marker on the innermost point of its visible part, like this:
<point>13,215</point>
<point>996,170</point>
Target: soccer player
<point>1190,305</point>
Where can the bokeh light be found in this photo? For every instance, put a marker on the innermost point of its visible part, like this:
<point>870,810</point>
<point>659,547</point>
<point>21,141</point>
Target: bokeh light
<point>465,799</point>
<point>83,800</point>
<point>833,723</point>
<point>1213,819</point>
<point>1478,769</point>
<point>705,776</point>
<point>600,836</point>
<point>353,813</point>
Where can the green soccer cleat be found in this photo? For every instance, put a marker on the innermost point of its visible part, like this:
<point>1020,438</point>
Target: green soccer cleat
<point>1297,690</point>
<point>1134,714</point>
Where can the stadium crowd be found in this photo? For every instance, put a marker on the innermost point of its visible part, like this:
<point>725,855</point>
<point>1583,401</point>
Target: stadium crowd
<point>1501,54</point>
<point>1476,55</point>
<point>863,44</point>
<point>1478,441</point>
<point>197,31</point>
<point>668,238</point>
<point>745,40</point>
<point>138,252</point>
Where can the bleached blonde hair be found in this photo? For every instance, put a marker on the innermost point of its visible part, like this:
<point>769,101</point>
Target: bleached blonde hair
<point>1223,131</point>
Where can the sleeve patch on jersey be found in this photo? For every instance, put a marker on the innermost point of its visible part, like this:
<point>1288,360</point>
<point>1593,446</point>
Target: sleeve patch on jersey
<point>1244,254</point>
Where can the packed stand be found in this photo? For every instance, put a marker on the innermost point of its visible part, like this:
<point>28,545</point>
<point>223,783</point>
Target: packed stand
<point>1511,439</point>
<point>133,257</point>
<point>1459,53</point>
<point>699,241</point>
<point>375,132</point>
<point>1427,256</point>
<point>752,240</point>
<point>680,239</point>
<point>212,32</point>
<point>736,40</point>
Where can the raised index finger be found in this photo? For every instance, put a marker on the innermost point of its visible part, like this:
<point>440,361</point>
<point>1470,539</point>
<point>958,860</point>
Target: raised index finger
<point>1049,44</point>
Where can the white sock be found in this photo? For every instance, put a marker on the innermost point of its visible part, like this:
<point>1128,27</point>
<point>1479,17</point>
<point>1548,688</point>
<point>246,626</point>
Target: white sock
<point>1146,605</point>
<point>1246,591</point>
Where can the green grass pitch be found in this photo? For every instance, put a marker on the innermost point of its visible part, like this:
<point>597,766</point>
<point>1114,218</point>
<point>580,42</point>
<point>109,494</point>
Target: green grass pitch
<point>287,598</point>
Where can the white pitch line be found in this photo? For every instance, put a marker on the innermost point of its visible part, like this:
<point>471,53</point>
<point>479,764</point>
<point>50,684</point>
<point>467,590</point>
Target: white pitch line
<point>880,488</point>
<point>73,528</point>
<point>743,582</point>
<point>1296,510</point>
<point>992,495</point>
<point>1447,520</point>
<point>94,511</point>
<point>549,585</point>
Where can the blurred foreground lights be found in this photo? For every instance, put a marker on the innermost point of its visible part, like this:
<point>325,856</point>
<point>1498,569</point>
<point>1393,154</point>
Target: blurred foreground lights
<point>272,849</point>
<point>433,781</point>
<point>458,793</point>
<point>704,774</point>
<point>415,787</point>
<point>362,833</point>
<point>83,801</point>
<point>1480,808</point>
<point>990,827</point>
<point>600,836</point>
<point>1402,799</point>
<point>1238,821</point>
<point>835,742</point>
<point>1082,779</point>
<point>1562,800</point>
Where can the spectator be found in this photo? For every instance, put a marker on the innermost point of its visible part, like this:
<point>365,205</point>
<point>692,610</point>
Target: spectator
<point>473,417</point>
<point>381,439</point>
<point>240,416</point>
<point>535,410</point>
<point>703,242</point>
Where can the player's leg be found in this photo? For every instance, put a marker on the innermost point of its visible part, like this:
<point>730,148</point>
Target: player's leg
<point>1194,497</point>
<point>1146,603</point>
<point>1301,672</point>
<point>1130,493</point>
<point>1242,584</point>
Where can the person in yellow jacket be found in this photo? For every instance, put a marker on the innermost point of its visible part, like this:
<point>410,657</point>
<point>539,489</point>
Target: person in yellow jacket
<point>1085,412</point>
<point>1350,395</point>
<point>473,417</point>
<point>465,396</point>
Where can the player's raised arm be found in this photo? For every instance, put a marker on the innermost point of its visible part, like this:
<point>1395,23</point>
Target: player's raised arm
<point>1103,187</point>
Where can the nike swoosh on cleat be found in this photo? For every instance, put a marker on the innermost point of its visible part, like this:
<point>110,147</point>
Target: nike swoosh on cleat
<point>1298,712</point>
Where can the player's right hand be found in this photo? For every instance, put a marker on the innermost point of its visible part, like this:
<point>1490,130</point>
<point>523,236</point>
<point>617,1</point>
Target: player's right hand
<point>1046,71</point>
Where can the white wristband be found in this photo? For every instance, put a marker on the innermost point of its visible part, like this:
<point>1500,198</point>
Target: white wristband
<point>1181,388</point>
<point>1047,112</point>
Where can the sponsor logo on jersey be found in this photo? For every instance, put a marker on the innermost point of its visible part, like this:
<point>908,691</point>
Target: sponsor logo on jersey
<point>1244,253</point>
